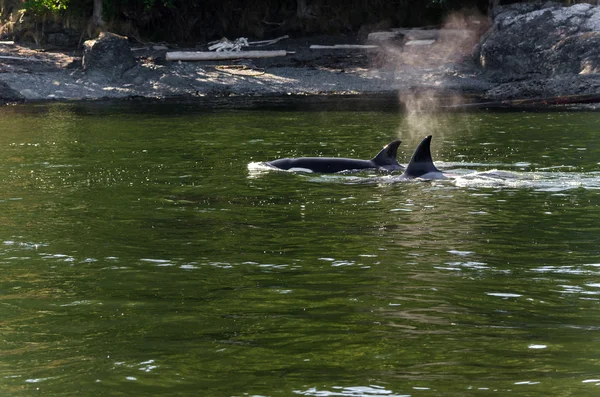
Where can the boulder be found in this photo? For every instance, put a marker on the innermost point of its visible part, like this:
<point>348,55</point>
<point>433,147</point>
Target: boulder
<point>107,56</point>
<point>8,95</point>
<point>584,86</point>
<point>535,40</point>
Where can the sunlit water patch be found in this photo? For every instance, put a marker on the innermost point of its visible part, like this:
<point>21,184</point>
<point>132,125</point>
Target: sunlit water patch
<point>352,391</point>
<point>584,269</point>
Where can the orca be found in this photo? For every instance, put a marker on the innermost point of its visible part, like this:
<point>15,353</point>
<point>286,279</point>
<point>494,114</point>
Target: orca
<point>385,160</point>
<point>421,165</point>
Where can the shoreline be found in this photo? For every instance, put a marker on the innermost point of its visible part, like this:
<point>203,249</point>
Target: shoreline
<point>33,75</point>
<point>419,80</point>
<point>360,102</point>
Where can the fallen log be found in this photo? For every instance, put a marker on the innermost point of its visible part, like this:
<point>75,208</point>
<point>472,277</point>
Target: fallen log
<point>227,45</point>
<point>268,42</point>
<point>419,42</point>
<point>221,56</point>
<point>344,47</point>
<point>241,42</point>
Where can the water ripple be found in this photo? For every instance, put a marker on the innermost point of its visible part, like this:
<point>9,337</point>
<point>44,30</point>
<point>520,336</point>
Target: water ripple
<point>587,269</point>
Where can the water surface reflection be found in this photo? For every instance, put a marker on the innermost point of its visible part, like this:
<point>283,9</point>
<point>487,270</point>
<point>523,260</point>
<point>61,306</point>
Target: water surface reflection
<point>139,257</point>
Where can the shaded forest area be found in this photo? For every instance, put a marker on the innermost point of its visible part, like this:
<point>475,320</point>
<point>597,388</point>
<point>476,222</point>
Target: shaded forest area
<point>200,20</point>
<point>65,23</point>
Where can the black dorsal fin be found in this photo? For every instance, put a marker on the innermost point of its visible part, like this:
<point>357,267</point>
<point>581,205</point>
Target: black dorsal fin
<point>421,162</point>
<point>387,155</point>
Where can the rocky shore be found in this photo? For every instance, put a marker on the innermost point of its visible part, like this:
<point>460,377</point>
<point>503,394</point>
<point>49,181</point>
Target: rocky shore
<point>531,51</point>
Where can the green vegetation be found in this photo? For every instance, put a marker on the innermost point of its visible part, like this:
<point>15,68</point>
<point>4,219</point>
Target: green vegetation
<point>44,6</point>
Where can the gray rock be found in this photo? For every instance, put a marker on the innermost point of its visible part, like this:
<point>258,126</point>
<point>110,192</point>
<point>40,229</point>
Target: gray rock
<point>540,41</point>
<point>108,56</point>
<point>7,94</point>
<point>546,88</point>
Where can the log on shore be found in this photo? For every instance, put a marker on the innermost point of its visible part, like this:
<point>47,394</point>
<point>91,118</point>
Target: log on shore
<point>343,47</point>
<point>221,56</point>
<point>419,42</point>
<point>268,42</point>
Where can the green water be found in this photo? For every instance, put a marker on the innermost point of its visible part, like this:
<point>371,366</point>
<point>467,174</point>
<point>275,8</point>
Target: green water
<point>139,255</point>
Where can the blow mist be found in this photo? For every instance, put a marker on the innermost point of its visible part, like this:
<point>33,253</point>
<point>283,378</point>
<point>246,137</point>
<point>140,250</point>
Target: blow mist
<point>428,72</point>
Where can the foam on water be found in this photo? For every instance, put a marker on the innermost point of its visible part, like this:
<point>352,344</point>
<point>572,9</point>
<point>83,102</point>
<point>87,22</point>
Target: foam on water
<point>549,179</point>
<point>539,181</point>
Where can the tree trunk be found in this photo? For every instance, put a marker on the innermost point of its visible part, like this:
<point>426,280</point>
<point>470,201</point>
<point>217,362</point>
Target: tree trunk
<point>97,14</point>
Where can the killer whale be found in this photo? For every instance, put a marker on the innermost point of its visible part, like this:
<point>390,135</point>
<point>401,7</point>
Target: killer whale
<point>385,160</point>
<point>421,165</point>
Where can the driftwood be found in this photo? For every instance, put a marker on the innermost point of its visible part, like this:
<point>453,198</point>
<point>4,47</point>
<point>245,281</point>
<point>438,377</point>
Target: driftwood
<point>227,45</point>
<point>221,56</point>
<point>419,42</point>
<point>7,42</point>
<point>530,103</point>
<point>343,47</point>
<point>268,42</point>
